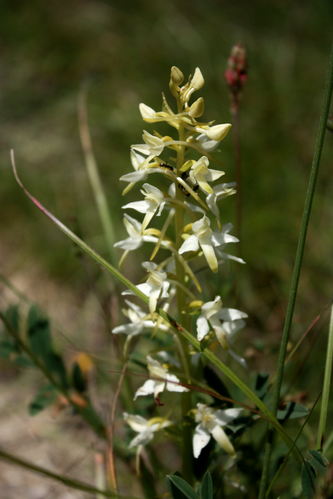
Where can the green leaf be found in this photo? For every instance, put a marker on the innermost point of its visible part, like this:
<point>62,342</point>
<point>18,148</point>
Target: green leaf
<point>7,349</point>
<point>38,332</point>
<point>12,314</point>
<point>308,479</point>
<point>184,487</point>
<point>292,411</point>
<point>207,487</point>
<point>45,396</point>
<point>261,385</point>
<point>55,365</point>
<point>318,462</point>
<point>40,340</point>
<point>174,491</point>
<point>78,380</point>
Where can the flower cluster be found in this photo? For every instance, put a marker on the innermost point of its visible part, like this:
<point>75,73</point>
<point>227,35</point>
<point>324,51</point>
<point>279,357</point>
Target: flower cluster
<point>191,193</point>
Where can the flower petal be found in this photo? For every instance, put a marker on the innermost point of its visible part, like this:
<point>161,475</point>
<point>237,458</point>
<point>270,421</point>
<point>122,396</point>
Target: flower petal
<point>172,387</point>
<point>202,327</point>
<point>223,441</point>
<point>140,206</point>
<point>231,314</point>
<point>190,244</point>
<point>223,417</point>
<point>146,389</point>
<point>200,440</point>
<point>137,423</point>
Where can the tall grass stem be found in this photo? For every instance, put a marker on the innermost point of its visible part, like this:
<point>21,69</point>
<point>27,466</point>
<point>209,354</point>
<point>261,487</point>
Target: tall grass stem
<point>326,386</point>
<point>298,264</point>
<point>94,176</point>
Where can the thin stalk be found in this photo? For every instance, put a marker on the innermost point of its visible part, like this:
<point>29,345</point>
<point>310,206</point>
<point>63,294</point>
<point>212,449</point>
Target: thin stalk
<point>326,386</point>
<point>69,482</point>
<point>298,264</point>
<point>94,177</point>
<point>235,129</point>
<point>187,469</point>
<point>111,461</point>
<point>87,412</point>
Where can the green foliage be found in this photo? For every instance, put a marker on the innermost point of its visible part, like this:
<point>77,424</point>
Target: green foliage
<point>45,396</point>
<point>308,480</point>
<point>179,488</point>
<point>317,465</point>
<point>39,338</point>
<point>292,410</point>
<point>184,487</point>
<point>78,380</point>
<point>207,487</point>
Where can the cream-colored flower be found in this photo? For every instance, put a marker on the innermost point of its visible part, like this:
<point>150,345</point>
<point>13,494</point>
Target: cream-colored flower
<point>155,386</point>
<point>204,237</point>
<point>226,323</point>
<point>145,428</point>
<point>210,425</point>
<point>153,203</point>
<point>201,174</point>
<point>153,146</point>
<point>216,132</point>
<point>156,286</point>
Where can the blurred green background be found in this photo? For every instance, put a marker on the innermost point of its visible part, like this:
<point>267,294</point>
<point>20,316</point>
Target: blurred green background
<point>124,51</point>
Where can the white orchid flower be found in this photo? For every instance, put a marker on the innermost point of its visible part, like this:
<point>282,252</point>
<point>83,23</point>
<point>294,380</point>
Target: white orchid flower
<point>216,132</point>
<point>226,323</point>
<point>142,167</point>
<point>136,239</point>
<point>138,322</point>
<point>201,174</point>
<point>210,425</point>
<point>220,191</point>
<point>156,286</point>
<point>206,144</point>
<point>204,237</point>
<point>153,202</point>
<point>145,428</point>
<point>153,145</point>
<point>170,381</point>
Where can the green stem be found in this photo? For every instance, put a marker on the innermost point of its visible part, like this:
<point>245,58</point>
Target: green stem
<point>87,412</point>
<point>94,177</point>
<point>183,319</point>
<point>298,264</point>
<point>326,387</point>
<point>69,482</point>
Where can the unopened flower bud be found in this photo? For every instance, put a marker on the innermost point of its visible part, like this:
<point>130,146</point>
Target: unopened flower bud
<point>197,108</point>
<point>197,81</point>
<point>177,76</point>
<point>218,132</point>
